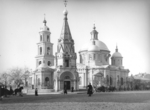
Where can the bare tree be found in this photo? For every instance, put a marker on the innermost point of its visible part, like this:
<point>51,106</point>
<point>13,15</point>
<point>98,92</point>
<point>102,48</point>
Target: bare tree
<point>17,75</point>
<point>4,78</point>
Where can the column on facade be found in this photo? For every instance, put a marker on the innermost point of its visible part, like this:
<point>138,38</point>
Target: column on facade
<point>58,84</point>
<point>74,84</point>
<point>44,48</point>
<point>38,50</point>
<point>92,77</point>
<point>84,79</point>
<point>52,80</point>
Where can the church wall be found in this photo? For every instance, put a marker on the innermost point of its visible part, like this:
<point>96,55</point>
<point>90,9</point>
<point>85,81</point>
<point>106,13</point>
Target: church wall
<point>81,83</point>
<point>47,80</point>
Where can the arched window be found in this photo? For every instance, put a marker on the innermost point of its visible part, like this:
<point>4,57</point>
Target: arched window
<point>80,58</point>
<point>47,37</point>
<point>107,79</point>
<point>40,50</point>
<point>40,37</point>
<point>118,79</point>
<point>83,58</point>
<point>38,81</point>
<point>94,57</point>
<point>49,63</point>
<point>80,81</point>
<point>111,81</point>
<point>46,81</point>
<point>39,62</point>
<point>121,81</point>
<point>67,62</point>
<point>48,51</point>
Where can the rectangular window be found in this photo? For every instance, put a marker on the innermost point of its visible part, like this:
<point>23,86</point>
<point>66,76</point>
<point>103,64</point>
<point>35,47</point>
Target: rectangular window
<point>94,57</point>
<point>80,80</point>
<point>90,57</point>
<point>67,62</point>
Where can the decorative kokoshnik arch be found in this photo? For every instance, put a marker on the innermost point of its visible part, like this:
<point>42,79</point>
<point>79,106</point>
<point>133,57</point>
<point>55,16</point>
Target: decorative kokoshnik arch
<point>98,77</point>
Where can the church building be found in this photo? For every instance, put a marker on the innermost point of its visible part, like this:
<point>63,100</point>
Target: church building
<point>55,72</point>
<point>94,65</point>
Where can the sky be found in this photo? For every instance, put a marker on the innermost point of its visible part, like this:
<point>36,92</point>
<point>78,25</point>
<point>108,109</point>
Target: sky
<point>122,22</point>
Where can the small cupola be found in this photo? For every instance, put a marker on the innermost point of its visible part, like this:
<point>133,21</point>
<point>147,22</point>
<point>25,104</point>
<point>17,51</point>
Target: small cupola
<point>45,27</point>
<point>117,54</point>
<point>94,33</point>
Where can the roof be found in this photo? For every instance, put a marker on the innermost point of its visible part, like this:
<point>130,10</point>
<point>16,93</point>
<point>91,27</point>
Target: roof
<point>116,54</point>
<point>65,32</point>
<point>44,28</point>
<point>93,48</point>
<point>94,44</point>
<point>99,45</point>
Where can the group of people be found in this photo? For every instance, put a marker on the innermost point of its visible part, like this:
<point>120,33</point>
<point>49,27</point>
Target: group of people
<point>4,92</point>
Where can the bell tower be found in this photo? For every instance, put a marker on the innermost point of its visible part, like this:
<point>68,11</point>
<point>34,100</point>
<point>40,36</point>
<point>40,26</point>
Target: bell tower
<point>66,56</point>
<point>45,47</point>
<point>65,74</point>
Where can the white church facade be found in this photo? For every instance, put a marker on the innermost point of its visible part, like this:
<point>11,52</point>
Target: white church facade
<point>53,72</point>
<point>94,66</point>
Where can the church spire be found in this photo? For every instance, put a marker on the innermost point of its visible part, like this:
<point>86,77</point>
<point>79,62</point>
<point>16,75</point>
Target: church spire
<point>65,32</point>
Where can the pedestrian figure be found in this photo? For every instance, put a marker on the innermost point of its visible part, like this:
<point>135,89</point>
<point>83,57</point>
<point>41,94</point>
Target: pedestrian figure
<point>0,92</point>
<point>11,91</point>
<point>90,89</point>
<point>36,92</point>
<point>72,89</point>
<point>65,89</point>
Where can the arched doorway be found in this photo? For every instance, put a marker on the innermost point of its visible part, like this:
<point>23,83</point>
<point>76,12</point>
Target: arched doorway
<point>67,82</point>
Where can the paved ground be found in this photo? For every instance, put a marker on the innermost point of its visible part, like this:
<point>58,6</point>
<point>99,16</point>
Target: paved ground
<point>99,101</point>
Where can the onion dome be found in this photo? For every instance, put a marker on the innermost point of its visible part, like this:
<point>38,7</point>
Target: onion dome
<point>44,28</point>
<point>117,54</point>
<point>94,33</point>
<point>98,45</point>
<point>65,12</point>
<point>93,47</point>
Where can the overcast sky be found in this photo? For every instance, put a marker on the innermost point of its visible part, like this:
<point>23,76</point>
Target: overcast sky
<point>125,22</point>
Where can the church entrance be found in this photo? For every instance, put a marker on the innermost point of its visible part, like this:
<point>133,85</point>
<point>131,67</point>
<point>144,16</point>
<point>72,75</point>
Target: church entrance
<point>67,84</point>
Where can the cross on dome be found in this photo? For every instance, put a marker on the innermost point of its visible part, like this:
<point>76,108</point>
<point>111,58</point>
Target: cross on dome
<point>65,3</point>
<point>116,48</point>
<point>44,20</point>
<point>65,12</point>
